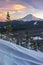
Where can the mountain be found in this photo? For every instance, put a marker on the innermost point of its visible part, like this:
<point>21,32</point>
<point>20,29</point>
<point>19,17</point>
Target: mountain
<point>30,17</point>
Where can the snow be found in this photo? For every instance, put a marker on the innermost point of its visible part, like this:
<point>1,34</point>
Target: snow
<point>37,38</point>
<point>35,23</point>
<point>12,54</point>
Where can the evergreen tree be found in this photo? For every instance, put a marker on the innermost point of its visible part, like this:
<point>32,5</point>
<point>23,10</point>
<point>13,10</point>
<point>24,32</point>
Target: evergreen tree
<point>17,42</point>
<point>8,25</point>
<point>27,38</point>
<point>0,31</point>
<point>33,44</point>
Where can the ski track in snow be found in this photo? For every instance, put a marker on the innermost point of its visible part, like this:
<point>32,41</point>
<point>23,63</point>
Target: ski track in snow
<point>12,54</point>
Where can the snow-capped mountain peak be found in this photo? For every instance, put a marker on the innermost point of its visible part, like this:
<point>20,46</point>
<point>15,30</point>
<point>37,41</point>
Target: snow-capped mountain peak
<point>30,17</point>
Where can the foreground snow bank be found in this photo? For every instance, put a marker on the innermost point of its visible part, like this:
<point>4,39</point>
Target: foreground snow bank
<point>12,54</point>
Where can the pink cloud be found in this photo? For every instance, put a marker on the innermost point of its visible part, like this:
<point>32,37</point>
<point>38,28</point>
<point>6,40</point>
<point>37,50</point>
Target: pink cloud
<point>37,2</point>
<point>30,8</point>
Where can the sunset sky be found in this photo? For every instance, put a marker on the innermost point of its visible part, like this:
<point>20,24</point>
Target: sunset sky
<point>20,8</point>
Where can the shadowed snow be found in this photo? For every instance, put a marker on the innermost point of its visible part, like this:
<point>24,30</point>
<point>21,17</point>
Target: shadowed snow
<point>12,54</point>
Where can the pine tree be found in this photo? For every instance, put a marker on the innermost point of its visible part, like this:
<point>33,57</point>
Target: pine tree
<point>33,44</point>
<point>8,25</point>
<point>0,31</point>
<point>27,38</point>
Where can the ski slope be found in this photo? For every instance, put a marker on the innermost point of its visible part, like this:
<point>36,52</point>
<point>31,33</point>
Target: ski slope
<point>12,54</point>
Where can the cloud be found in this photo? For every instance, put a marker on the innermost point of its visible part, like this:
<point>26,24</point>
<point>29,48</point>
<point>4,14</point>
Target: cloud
<point>1,17</point>
<point>18,7</point>
<point>7,0</point>
<point>39,14</point>
<point>38,4</point>
<point>31,8</point>
<point>0,14</point>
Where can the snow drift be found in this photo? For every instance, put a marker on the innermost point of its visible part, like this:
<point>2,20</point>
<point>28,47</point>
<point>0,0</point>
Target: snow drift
<point>12,54</point>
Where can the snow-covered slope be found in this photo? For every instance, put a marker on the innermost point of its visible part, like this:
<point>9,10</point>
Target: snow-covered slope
<point>12,54</point>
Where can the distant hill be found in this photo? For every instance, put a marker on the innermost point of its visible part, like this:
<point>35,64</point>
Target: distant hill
<point>21,25</point>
